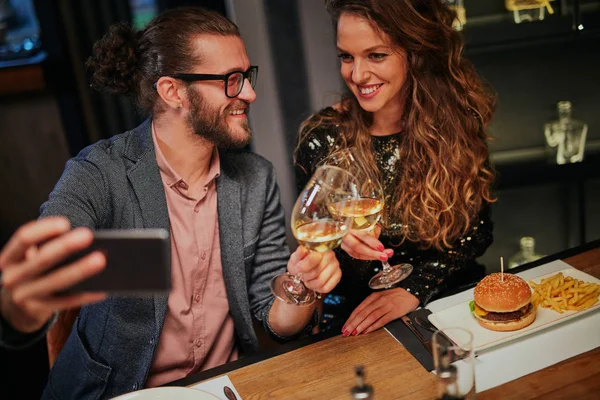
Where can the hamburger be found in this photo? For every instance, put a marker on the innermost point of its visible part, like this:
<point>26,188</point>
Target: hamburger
<point>503,303</point>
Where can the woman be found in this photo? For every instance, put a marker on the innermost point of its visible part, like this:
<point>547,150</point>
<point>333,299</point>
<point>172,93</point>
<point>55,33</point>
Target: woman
<point>418,112</point>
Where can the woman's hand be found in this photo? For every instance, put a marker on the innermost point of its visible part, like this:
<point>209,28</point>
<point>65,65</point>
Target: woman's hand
<point>29,291</point>
<point>320,271</point>
<point>378,309</point>
<point>364,245</point>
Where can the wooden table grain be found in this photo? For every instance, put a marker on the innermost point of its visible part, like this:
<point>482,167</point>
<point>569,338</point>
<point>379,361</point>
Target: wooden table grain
<point>325,370</point>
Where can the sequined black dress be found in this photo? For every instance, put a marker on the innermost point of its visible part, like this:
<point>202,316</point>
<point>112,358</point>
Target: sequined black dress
<point>434,271</point>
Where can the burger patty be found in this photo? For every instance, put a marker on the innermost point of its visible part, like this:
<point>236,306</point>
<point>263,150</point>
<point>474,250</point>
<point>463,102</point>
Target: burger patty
<point>508,316</point>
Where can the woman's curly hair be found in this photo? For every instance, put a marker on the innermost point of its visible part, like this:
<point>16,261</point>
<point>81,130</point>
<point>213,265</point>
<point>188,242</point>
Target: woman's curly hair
<point>444,173</point>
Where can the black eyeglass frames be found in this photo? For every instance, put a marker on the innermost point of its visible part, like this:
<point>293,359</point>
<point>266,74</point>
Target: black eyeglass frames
<point>234,81</point>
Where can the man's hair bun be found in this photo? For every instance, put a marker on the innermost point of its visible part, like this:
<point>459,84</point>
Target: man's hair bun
<point>113,65</point>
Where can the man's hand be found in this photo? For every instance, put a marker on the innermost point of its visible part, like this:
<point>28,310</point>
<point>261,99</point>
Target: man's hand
<point>28,291</point>
<point>320,271</point>
<point>378,309</point>
<point>365,245</point>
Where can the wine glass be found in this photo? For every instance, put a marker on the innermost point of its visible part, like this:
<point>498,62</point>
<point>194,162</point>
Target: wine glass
<point>315,227</point>
<point>366,211</point>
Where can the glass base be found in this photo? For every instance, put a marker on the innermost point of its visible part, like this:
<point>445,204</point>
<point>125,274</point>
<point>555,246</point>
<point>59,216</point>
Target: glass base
<point>290,290</point>
<point>386,279</point>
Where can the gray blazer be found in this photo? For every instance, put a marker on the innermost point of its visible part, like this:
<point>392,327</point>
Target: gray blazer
<point>116,183</point>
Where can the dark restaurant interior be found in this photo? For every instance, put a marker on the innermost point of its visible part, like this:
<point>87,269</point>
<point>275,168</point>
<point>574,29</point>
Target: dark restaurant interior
<point>48,112</point>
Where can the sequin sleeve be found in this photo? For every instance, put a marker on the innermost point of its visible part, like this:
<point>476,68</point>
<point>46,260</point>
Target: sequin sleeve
<point>313,148</point>
<point>437,271</point>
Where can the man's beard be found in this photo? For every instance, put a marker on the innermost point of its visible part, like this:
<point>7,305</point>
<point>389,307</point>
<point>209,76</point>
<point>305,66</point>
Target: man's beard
<point>211,125</point>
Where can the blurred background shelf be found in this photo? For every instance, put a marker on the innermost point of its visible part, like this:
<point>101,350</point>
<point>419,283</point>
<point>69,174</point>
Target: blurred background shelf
<point>491,28</point>
<point>542,171</point>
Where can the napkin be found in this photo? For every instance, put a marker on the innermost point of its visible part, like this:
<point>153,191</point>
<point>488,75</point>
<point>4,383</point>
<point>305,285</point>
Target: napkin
<point>409,340</point>
<point>215,386</point>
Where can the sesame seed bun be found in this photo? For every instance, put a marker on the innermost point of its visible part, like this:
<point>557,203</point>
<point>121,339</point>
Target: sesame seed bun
<point>496,294</point>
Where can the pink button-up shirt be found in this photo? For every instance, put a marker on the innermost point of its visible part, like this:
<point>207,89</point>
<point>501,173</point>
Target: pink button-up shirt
<point>198,332</point>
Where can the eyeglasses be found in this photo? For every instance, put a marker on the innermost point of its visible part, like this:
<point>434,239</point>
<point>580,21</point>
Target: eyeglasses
<point>234,81</point>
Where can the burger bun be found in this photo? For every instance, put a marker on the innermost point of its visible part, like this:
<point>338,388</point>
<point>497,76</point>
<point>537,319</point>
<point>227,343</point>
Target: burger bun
<point>502,293</point>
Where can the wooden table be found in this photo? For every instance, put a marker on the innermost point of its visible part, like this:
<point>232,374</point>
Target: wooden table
<point>325,370</point>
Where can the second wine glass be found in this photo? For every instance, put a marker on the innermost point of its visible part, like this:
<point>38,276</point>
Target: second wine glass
<point>316,227</point>
<point>366,211</point>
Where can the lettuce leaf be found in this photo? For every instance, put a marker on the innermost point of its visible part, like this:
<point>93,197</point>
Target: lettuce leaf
<point>472,305</point>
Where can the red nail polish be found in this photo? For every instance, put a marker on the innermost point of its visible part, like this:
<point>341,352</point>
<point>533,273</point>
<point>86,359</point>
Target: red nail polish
<point>345,332</point>
<point>389,252</point>
<point>383,257</point>
<point>355,332</point>
<point>380,247</point>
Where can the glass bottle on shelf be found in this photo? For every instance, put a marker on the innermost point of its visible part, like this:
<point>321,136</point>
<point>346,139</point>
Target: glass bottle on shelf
<point>567,135</point>
<point>525,254</point>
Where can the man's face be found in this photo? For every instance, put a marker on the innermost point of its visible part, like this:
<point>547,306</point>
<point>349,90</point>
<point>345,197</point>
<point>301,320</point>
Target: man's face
<point>219,119</point>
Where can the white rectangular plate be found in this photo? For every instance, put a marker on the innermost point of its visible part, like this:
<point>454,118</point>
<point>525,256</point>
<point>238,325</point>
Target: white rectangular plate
<point>460,316</point>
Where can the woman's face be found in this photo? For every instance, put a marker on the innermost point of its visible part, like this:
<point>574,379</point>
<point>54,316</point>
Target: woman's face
<point>373,69</point>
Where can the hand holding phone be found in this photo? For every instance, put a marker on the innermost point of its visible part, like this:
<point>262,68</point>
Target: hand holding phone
<point>46,267</point>
<point>29,293</point>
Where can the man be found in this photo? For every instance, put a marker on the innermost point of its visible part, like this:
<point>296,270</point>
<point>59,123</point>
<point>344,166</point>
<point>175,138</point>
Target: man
<point>189,69</point>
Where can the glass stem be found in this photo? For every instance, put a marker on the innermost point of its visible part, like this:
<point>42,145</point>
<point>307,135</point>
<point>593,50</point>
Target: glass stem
<point>386,267</point>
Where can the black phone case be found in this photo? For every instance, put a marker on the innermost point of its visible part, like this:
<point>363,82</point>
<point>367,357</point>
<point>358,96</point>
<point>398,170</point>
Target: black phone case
<point>138,261</point>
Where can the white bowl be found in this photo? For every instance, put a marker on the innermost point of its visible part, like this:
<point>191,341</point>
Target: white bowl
<point>168,393</point>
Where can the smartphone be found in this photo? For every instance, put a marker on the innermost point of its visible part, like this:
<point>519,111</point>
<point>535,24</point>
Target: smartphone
<point>137,261</point>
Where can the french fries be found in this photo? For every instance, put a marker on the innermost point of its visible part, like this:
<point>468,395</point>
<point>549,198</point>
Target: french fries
<point>561,293</point>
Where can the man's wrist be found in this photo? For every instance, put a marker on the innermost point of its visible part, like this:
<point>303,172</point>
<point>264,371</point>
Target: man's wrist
<point>14,339</point>
<point>17,320</point>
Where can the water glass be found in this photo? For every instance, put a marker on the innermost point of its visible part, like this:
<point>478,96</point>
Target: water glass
<point>454,362</point>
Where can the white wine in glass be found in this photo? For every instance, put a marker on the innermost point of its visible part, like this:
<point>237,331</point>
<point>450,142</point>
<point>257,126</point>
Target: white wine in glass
<point>321,235</point>
<point>366,211</point>
<point>316,227</point>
